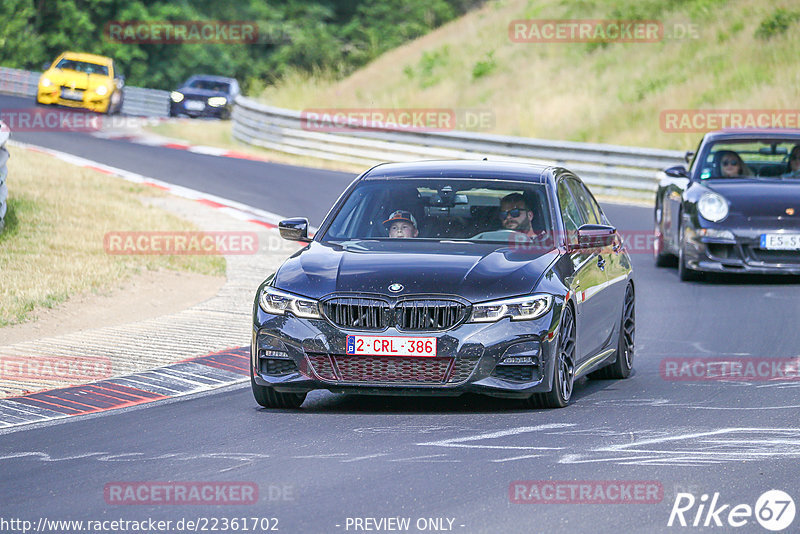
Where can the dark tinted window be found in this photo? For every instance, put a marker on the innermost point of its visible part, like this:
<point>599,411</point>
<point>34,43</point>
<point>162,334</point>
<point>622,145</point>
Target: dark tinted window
<point>590,211</point>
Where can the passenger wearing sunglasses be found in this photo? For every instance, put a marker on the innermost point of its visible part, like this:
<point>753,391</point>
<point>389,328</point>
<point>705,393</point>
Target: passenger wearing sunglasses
<point>794,164</point>
<point>516,215</point>
<point>731,165</point>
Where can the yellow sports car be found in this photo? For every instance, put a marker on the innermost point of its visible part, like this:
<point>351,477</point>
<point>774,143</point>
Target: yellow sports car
<point>82,80</point>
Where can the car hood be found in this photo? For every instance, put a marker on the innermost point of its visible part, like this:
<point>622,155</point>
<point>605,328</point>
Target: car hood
<point>760,198</point>
<point>476,272</point>
<point>81,80</point>
<point>201,93</point>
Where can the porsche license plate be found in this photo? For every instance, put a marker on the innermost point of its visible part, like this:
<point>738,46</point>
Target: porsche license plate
<point>71,94</point>
<point>195,105</point>
<point>424,347</point>
<point>780,241</point>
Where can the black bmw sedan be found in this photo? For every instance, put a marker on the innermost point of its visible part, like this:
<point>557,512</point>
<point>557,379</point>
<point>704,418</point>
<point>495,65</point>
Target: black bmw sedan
<point>736,209</point>
<point>204,95</point>
<point>441,278</point>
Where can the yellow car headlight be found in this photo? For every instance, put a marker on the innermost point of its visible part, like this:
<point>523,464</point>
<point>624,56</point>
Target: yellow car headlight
<point>46,82</point>
<point>101,90</point>
<point>217,101</point>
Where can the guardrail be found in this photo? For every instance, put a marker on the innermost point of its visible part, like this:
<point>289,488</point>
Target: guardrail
<point>4,135</point>
<point>137,100</point>
<point>618,170</point>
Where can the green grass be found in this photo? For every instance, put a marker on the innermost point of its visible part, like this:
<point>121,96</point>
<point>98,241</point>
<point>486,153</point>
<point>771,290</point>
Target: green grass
<point>52,246</point>
<point>738,54</point>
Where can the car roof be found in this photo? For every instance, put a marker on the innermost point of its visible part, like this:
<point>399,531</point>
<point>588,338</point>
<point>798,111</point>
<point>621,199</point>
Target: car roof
<point>210,77</point>
<point>752,133</point>
<point>89,58</point>
<point>502,170</point>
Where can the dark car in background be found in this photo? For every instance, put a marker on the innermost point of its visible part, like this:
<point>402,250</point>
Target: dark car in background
<point>457,302</point>
<point>204,96</point>
<point>736,209</point>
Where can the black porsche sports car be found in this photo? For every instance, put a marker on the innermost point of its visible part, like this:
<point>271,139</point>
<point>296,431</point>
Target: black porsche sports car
<point>440,278</point>
<point>204,95</point>
<point>737,207</point>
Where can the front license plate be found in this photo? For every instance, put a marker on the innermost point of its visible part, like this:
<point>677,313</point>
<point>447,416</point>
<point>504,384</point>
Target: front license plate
<point>71,94</point>
<point>195,105</point>
<point>424,347</point>
<point>780,241</point>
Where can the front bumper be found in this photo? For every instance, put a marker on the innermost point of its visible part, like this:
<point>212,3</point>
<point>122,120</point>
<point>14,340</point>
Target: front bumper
<point>468,359</point>
<point>743,254</point>
<point>179,108</point>
<point>91,101</point>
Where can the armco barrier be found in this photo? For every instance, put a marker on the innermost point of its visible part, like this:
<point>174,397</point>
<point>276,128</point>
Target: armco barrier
<point>137,100</point>
<point>4,135</point>
<point>623,171</point>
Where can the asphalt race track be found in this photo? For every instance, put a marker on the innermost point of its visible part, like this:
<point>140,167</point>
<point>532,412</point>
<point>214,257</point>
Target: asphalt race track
<point>445,463</point>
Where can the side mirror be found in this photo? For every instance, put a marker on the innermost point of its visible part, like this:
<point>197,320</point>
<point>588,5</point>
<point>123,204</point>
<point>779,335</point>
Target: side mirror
<point>678,171</point>
<point>595,236</point>
<point>688,156</point>
<point>294,229</point>
<point>45,66</point>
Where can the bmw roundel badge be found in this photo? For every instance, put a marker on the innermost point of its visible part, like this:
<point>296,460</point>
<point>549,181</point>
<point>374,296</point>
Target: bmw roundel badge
<point>396,288</point>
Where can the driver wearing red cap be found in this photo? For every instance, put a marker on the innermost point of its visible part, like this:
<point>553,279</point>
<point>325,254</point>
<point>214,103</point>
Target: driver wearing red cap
<point>401,223</point>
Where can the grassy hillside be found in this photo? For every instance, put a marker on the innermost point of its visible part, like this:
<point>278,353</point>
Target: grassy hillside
<point>744,56</point>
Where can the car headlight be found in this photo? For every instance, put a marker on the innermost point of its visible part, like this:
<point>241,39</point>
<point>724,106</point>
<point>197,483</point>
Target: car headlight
<point>217,101</point>
<point>279,302</point>
<point>712,207</point>
<point>101,90</point>
<point>519,309</point>
<point>176,96</point>
<point>46,82</point>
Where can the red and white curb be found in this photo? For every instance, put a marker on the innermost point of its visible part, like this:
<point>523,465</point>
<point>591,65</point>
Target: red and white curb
<point>165,142</point>
<point>195,375</point>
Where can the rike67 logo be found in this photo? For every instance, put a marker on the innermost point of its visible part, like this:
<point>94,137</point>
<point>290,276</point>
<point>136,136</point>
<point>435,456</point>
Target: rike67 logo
<point>774,510</point>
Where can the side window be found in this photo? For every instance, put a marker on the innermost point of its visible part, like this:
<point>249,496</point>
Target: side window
<point>589,208</point>
<point>569,212</point>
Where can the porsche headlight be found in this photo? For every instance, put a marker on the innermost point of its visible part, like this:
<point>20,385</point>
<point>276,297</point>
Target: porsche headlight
<point>217,101</point>
<point>176,96</point>
<point>712,207</point>
<point>46,82</point>
<point>519,309</point>
<point>279,302</point>
<point>101,90</point>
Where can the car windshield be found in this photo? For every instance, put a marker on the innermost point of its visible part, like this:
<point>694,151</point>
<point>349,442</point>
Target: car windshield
<point>437,209</point>
<point>210,85</point>
<point>82,66</point>
<point>770,158</point>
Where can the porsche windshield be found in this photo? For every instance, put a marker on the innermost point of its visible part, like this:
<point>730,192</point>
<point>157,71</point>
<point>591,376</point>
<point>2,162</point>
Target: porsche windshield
<point>443,209</point>
<point>750,158</point>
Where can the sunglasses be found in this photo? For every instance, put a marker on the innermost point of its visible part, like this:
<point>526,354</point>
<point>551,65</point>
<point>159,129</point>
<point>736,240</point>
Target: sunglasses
<point>729,162</point>
<point>513,212</point>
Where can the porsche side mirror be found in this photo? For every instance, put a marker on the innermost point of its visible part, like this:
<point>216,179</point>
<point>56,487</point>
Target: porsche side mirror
<point>294,229</point>
<point>678,171</point>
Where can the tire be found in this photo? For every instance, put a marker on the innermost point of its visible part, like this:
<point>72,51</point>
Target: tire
<point>269,398</point>
<point>684,272</point>
<point>564,368</point>
<point>662,259</point>
<point>623,365</point>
